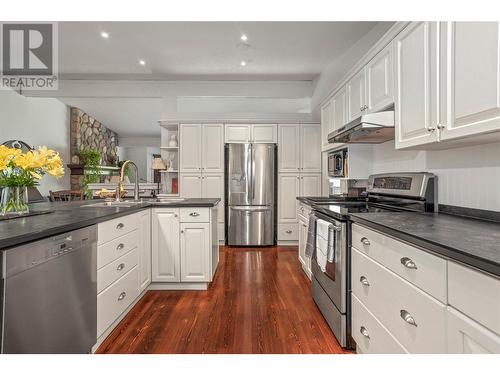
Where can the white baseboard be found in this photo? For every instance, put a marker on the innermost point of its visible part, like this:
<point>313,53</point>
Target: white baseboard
<point>288,243</point>
<point>178,286</point>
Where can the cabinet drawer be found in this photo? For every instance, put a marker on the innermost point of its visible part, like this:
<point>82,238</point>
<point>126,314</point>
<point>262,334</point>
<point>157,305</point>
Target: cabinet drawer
<point>109,230</point>
<point>475,294</point>
<point>116,248</point>
<point>370,335</point>
<point>395,302</point>
<point>195,215</point>
<point>108,274</point>
<point>115,299</point>
<point>303,210</point>
<point>417,266</point>
<point>288,232</point>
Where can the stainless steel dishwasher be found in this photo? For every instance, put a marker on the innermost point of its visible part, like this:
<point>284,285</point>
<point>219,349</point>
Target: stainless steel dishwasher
<point>50,295</point>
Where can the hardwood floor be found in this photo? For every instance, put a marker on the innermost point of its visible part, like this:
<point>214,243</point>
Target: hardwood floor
<point>259,302</point>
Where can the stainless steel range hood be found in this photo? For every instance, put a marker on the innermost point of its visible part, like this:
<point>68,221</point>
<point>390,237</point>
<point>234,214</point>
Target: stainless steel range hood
<point>375,127</point>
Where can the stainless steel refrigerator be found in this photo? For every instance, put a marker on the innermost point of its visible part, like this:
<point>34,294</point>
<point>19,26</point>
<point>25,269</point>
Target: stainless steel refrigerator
<point>250,194</point>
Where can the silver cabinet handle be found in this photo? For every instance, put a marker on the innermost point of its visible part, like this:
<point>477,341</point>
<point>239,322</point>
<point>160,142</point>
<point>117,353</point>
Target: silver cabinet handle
<point>120,266</point>
<point>120,226</point>
<point>289,231</point>
<point>361,108</point>
<point>175,215</point>
<point>194,214</point>
<point>365,241</point>
<point>363,280</point>
<point>408,263</point>
<point>406,316</point>
<point>304,225</point>
<point>431,129</point>
<point>120,247</point>
<point>182,231</point>
<point>364,332</point>
<point>441,126</point>
<point>122,296</point>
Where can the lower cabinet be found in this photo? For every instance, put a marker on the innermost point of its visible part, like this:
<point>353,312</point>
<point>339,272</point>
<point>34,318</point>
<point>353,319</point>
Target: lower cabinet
<point>303,215</point>
<point>165,245</point>
<point>195,257</point>
<point>144,252</point>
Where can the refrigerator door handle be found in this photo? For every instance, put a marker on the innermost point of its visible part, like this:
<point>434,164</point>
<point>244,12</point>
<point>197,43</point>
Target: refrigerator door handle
<point>252,209</point>
<point>249,172</point>
<point>253,172</point>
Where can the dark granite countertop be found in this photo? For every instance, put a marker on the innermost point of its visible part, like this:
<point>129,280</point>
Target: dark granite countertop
<point>68,216</point>
<point>470,241</point>
<point>318,200</point>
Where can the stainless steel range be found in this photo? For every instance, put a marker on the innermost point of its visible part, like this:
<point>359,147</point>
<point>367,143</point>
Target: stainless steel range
<point>331,282</point>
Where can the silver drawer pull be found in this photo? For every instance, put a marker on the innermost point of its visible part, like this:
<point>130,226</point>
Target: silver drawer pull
<point>289,231</point>
<point>120,266</point>
<point>363,280</point>
<point>120,226</point>
<point>122,296</point>
<point>408,263</point>
<point>194,214</point>
<point>364,332</point>
<point>406,316</point>
<point>365,241</point>
<point>120,247</point>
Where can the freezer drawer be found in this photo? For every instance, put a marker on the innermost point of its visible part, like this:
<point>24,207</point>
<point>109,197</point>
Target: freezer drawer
<point>251,226</point>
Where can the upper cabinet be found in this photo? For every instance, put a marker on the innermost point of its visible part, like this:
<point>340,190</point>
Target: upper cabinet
<point>380,80</point>
<point>416,52</point>
<point>356,99</point>
<point>470,78</point>
<point>247,133</point>
<point>202,148</point>
<point>326,128</point>
<point>299,148</point>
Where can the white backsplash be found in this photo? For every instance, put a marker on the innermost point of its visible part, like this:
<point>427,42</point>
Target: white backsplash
<point>467,176</point>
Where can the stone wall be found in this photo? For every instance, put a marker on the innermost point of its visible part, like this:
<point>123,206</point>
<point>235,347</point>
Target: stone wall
<point>88,133</point>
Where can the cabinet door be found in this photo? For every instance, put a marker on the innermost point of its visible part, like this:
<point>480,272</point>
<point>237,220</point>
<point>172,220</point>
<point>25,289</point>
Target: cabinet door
<point>416,50</point>
<point>326,115</point>
<point>165,249</point>
<point>265,133</point>
<point>470,76</point>
<point>288,191</point>
<point>288,150</point>
<point>380,80</point>
<point>213,187</point>
<point>310,148</point>
<point>190,147</point>
<point>465,336</point>
<point>356,96</point>
<point>195,252</point>
<point>302,243</point>
<point>190,185</point>
<point>212,147</point>
<point>339,110</point>
<point>144,252</point>
<point>310,185</point>
<point>238,133</point>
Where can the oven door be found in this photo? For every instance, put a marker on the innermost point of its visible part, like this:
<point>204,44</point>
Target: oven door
<point>333,281</point>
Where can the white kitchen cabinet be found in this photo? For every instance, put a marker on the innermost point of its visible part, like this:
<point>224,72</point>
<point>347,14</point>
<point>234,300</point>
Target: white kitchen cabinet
<point>191,185</point>
<point>470,78</point>
<point>326,120</point>
<point>416,51</point>
<point>165,245</point>
<point>212,147</point>
<point>380,80</point>
<point>248,133</point>
<point>190,149</point>
<point>144,251</point>
<point>356,102</point>
<point>288,191</point>
<point>238,133</point>
<point>212,186</point>
<point>465,336</point>
<point>310,148</point>
<point>310,185</point>
<point>289,148</point>
<point>194,252</point>
<point>339,110</point>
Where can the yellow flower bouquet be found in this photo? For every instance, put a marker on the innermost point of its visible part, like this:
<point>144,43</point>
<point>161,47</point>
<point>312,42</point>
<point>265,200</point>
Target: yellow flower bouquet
<point>20,170</point>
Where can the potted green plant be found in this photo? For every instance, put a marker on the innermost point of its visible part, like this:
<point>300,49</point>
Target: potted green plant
<point>91,160</point>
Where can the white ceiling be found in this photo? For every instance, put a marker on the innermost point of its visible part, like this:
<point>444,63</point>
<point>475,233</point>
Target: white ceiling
<point>197,50</point>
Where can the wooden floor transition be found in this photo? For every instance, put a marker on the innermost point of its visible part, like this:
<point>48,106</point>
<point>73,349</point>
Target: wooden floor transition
<point>259,302</point>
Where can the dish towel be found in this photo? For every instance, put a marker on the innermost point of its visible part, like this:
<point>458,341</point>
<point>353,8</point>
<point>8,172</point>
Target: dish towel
<point>323,241</point>
<point>311,235</point>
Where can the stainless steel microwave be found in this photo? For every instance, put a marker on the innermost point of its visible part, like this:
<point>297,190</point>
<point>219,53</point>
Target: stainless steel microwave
<point>337,163</point>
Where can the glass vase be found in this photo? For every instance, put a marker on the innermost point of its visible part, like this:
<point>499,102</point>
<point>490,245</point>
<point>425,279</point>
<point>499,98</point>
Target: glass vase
<point>14,201</point>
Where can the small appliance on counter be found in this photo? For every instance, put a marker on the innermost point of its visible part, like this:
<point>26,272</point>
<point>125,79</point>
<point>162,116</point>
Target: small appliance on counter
<point>340,187</point>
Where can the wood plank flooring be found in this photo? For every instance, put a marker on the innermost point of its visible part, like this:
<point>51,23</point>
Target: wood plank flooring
<point>259,302</point>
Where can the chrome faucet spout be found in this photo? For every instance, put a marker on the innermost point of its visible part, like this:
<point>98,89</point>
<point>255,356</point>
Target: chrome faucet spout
<point>122,177</point>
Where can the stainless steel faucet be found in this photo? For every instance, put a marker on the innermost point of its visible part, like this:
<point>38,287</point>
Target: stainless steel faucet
<point>122,177</point>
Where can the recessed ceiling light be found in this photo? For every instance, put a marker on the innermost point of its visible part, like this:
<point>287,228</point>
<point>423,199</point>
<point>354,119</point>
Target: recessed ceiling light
<point>105,35</point>
<point>142,62</point>
<point>244,37</point>
<point>243,63</point>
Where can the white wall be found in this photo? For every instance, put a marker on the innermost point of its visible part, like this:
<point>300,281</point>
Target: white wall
<point>37,121</point>
<point>467,176</point>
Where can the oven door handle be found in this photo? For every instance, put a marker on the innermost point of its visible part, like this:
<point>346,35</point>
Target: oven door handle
<point>332,241</point>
